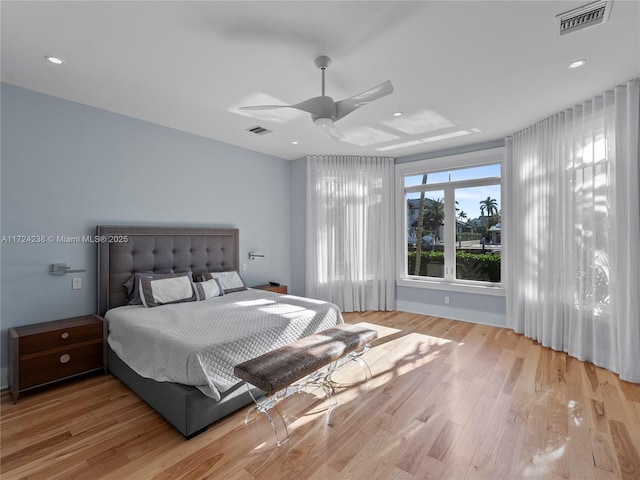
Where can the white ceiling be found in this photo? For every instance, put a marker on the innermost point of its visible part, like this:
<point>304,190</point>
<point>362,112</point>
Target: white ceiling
<point>488,68</point>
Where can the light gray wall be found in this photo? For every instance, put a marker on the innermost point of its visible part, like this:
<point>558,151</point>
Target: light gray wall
<point>470,307</point>
<point>68,167</point>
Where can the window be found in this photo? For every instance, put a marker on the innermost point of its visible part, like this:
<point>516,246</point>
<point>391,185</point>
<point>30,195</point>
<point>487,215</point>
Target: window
<point>450,220</point>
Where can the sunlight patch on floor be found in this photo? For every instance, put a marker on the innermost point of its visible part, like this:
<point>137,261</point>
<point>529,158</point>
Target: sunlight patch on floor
<point>299,410</point>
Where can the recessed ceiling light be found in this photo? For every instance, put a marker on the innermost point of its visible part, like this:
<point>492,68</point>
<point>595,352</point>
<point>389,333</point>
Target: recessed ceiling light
<point>397,114</point>
<point>577,63</point>
<point>294,142</point>
<point>56,60</point>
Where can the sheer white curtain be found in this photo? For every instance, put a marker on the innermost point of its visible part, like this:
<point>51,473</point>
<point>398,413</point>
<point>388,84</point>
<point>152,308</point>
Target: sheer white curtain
<point>573,258</point>
<point>350,232</point>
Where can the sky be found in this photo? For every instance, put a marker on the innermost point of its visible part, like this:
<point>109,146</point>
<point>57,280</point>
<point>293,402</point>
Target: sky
<point>468,198</point>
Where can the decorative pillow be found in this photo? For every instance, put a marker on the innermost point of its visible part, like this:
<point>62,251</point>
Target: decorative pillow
<point>208,289</point>
<point>172,288</point>
<point>132,285</point>
<point>229,281</point>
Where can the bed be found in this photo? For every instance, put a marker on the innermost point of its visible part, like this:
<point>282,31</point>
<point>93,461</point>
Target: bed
<point>195,404</point>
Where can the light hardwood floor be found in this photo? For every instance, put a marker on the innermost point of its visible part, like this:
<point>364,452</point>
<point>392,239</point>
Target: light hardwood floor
<point>448,399</point>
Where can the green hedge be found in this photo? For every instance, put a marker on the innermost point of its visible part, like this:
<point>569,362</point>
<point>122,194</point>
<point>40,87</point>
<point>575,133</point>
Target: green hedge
<point>468,236</point>
<point>469,266</point>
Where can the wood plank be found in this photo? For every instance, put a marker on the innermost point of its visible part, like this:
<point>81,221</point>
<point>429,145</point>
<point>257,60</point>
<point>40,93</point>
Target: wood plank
<point>500,418</point>
<point>628,457</point>
<point>603,451</point>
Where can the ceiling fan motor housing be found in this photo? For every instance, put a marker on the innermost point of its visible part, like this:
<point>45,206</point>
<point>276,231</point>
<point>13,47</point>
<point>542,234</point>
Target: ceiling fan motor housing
<point>324,110</point>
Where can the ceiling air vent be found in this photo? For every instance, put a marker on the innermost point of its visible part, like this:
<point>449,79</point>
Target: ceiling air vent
<point>258,130</point>
<point>586,16</point>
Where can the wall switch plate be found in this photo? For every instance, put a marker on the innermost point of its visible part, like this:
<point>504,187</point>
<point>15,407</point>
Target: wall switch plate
<point>446,300</point>
<point>76,283</point>
<point>244,267</point>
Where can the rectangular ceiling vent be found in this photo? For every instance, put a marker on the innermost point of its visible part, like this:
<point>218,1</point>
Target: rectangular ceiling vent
<point>589,15</point>
<point>258,130</point>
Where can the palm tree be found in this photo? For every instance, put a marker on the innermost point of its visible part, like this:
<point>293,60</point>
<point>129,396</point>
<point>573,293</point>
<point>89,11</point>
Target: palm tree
<point>462,215</point>
<point>435,213</point>
<point>490,205</point>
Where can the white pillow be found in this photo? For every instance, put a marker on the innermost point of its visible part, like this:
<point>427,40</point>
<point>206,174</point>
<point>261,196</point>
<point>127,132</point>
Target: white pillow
<point>209,289</point>
<point>229,281</point>
<point>160,291</point>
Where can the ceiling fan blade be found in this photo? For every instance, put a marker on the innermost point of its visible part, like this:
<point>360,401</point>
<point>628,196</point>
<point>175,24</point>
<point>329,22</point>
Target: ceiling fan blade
<point>315,106</point>
<point>332,131</point>
<point>265,107</point>
<point>348,105</point>
<point>335,133</point>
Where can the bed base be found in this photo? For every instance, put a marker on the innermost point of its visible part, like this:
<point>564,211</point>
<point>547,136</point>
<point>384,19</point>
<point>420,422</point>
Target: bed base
<point>185,407</point>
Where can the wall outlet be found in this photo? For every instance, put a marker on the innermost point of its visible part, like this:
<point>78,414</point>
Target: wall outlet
<point>446,300</point>
<point>76,283</point>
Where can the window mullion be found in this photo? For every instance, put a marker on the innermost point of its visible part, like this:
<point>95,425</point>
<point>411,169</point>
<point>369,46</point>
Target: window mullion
<point>449,234</point>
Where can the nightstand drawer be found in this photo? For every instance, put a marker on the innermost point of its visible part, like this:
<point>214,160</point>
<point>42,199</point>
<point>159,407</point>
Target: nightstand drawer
<point>63,337</point>
<point>41,369</point>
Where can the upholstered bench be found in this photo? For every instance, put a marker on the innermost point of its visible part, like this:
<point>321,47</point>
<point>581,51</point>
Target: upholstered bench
<point>309,361</point>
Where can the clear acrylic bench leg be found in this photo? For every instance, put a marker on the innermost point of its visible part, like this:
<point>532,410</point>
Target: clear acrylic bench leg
<point>267,405</point>
<point>352,357</point>
<point>319,379</point>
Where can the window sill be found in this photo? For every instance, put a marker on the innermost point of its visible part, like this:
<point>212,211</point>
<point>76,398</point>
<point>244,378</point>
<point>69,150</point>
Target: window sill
<point>498,291</point>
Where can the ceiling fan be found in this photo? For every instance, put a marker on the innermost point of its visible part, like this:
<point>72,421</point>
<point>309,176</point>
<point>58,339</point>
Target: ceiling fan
<point>324,111</point>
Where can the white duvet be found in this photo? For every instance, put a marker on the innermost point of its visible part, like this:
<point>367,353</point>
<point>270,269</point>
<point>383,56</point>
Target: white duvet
<point>199,343</point>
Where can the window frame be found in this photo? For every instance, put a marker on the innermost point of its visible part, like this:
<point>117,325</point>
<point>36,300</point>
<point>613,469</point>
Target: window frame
<point>438,164</point>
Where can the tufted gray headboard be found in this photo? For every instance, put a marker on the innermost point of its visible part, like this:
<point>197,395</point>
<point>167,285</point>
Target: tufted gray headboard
<point>124,250</point>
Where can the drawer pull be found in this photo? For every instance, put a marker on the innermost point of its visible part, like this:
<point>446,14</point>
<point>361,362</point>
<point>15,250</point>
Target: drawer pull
<point>65,358</point>
<point>64,335</point>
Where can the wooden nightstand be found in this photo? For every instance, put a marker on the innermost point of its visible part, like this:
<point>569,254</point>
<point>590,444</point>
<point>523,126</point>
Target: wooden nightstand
<point>44,353</point>
<point>272,288</point>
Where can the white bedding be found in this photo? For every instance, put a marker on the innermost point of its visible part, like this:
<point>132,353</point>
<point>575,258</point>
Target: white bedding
<point>199,343</point>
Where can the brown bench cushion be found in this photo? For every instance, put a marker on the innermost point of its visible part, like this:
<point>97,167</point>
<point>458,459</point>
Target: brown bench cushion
<point>283,366</point>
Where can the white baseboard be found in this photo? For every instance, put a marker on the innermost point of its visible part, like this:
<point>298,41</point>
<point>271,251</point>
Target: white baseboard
<point>484,318</point>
